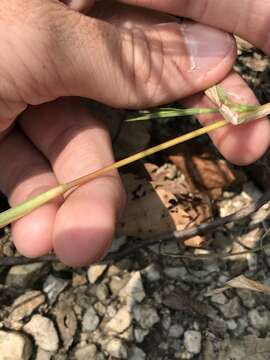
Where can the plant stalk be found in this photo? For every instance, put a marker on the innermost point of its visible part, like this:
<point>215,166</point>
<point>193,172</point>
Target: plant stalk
<point>28,206</point>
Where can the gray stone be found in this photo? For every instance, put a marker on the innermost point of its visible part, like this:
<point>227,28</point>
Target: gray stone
<point>249,347</point>
<point>116,348</point>
<point>90,320</point>
<point>99,356</point>
<point>86,353</point>
<point>176,331</point>
<point>252,260</point>
<point>117,283</point>
<point>53,286</point>
<point>176,273</point>
<point>219,299</point>
<point>24,276</point>
<point>43,355</point>
<point>133,291</point>
<point>25,304</point>
<point>140,334</point>
<point>151,273</point>
<point>127,334</point>
<point>247,298</point>
<point>43,331</point>
<point>232,309</point>
<point>100,308</point>
<point>166,321</point>
<point>111,310</point>
<point>146,315</point>
<point>259,320</point>
<point>14,346</point>
<point>102,292</point>
<point>242,324</point>
<point>113,270</point>
<point>193,341</point>
<point>117,243</point>
<point>231,324</point>
<point>121,321</point>
<point>95,272</point>
<point>135,353</point>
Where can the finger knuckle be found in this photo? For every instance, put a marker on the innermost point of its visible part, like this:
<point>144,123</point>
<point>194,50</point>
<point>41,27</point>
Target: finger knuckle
<point>28,39</point>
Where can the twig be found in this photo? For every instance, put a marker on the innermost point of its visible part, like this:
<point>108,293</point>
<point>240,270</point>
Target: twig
<point>201,229</point>
<point>21,260</point>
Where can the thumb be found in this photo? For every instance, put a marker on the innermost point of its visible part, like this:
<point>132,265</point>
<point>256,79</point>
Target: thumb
<point>142,66</point>
<point>80,5</point>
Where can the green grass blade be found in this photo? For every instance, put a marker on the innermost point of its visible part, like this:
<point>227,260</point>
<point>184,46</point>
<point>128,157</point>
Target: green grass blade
<point>12,214</point>
<point>167,112</point>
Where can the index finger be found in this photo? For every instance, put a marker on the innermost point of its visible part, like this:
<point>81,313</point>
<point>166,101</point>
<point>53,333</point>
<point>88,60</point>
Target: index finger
<point>248,19</point>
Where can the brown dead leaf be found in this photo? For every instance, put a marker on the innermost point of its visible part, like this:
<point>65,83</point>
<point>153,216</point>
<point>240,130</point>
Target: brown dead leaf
<point>150,210</point>
<point>204,172</point>
<point>195,242</point>
<point>242,282</point>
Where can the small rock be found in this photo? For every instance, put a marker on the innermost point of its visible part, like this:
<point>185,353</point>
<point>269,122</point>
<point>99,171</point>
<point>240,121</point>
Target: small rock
<point>95,271</point>
<point>259,320</point>
<point>14,346</point>
<point>166,321</point>
<point>135,353</point>
<point>24,276</point>
<point>102,292</point>
<point>252,260</point>
<point>86,353</point>
<point>117,243</point>
<point>151,272</point>
<point>78,279</point>
<point>176,331</point>
<point>133,291</point>
<point>43,331</point>
<point>90,320</point>
<point>140,334</point>
<point>117,283</point>
<point>100,308</point>
<point>218,326</point>
<point>53,286</point>
<point>231,324</point>
<point>116,348</point>
<point>232,309</point>
<point>192,341</point>
<point>242,324</point>
<point>121,321</point>
<point>247,298</point>
<point>25,304</point>
<point>146,316</point>
<point>127,334</point>
<point>111,310</point>
<point>176,273</point>
<point>66,321</point>
<point>100,356</point>
<point>43,355</point>
<point>113,270</point>
<point>220,299</point>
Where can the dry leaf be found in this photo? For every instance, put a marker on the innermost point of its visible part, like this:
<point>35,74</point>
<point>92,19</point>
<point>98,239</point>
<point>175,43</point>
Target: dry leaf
<point>242,282</point>
<point>205,173</point>
<point>150,210</point>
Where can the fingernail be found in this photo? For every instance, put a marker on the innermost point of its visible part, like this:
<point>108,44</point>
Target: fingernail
<point>206,46</point>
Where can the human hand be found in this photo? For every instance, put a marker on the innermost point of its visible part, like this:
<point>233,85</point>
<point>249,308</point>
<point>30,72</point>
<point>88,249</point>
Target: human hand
<point>131,58</point>
<point>249,20</point>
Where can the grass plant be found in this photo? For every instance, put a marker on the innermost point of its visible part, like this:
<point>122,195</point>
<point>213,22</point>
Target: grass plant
<point>232,113</point>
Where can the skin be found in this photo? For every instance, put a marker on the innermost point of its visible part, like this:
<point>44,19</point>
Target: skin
<point>123,55</point>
